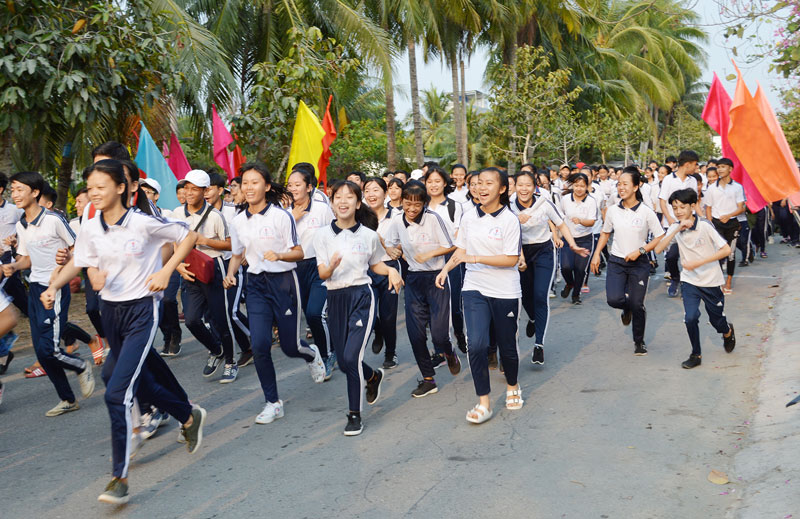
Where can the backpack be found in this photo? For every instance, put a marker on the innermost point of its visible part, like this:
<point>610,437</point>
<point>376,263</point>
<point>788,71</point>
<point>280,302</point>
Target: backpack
<point>451,209</point>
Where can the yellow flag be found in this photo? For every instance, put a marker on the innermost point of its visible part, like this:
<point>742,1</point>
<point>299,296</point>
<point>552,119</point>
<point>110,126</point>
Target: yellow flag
<point>306,139</point>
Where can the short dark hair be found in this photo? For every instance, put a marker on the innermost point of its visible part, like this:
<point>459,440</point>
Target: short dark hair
<point>359,174</point>
<point>33,180</point>
<point>687,156</point>
<point>3,180</point>
<point>49,193</point>
<point>112,149</point>
<point>180,185</point>
<point>216,180</point>
<point>415,190</point>
<point>394,180</point>
<point>671,158</point>
<point>710,169</point>
<point>308,169</point>
<point>725,160</point>
<point>430,164</point>
<point>684,196</point>
<point>448,183</point>
<point>82,191</point>
<point>236,180</point>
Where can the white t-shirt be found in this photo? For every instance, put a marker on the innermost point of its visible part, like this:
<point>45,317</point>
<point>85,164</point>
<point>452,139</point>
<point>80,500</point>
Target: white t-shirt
<point>316,215</point>
<point>699,242</point>
<point>724,199</point>
<point>542,212</point>
<point>494,234</point>
<point>40,239</point>
<point>214,228</point>
<point>383,227</point>
<point>359,248</point>
<point>669,185</point>
<point>128,251</point>
<point>9,216</point>
<point>459,194</point>
<point>272,228</point>
<point>630,227</point>
<point>585,210</point>
<point>443,210</point>
<point>426,233</point>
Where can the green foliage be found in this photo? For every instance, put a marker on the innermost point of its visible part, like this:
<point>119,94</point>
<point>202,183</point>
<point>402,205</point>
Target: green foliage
<point>360,146</point>
<point>790,120</point>
<point>686,133</point>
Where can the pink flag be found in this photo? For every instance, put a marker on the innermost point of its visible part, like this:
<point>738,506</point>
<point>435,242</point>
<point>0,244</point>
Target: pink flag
<point>780,137</point>
<point>222,138</point>
<point>716,114</point>
<point>176,159</point>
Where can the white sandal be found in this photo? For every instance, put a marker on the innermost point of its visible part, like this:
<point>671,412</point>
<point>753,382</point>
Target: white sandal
<point>514,399</point>
<point>483,414</point>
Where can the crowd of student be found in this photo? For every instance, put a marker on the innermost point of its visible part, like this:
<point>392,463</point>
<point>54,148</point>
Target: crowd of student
<point>468,250</point>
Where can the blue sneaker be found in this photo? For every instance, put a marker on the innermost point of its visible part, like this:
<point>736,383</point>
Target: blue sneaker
<point>329,362</point>
<point>672,290</point>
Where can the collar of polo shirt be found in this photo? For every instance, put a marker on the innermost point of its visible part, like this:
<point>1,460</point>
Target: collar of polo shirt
<point>634,208</point>
<point>104,225</point>
<point>418,219</point>
<point>263,211</point>
<point>35,221</point>
<point>337,230</point>
<point>308,207</point>
<point>694,225</point>
<point>481,212</point>
<point>186,208</point>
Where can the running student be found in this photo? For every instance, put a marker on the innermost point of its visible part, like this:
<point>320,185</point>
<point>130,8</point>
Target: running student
<point>628,275</point>
<point>580,210</point>
<point>121,249</point>
<point>422,236</point>
<point>309,215</point>
<point>536,213</point>
<point>724,203</point>
<point>8,320</point>
<point>386,296</point>
<point>265,234</point>
<point>40,235</point>
<point>701,248</point>
<point>489,243</point>
<point>346,249</point>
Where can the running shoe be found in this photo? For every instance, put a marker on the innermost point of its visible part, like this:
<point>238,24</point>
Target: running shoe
<point>353,427</point>
<point>577,300</point>
<point>194,433</point>
<point>377,343</point>
<point>530,328</point>
<point>424,388</point>
<point>752,256</point>
<point>137,440</point>
<point>729,342</point>
<point>316,366</point>
<point>744,263</point>
<point>538,355</point>
<point>453,363</point>
<point>437,360</point>
<point>764,254</point>
<point>212,364</point>
<point>667,275</point>
<point>639,350</point>
<point>627,315</point>
<point>174,347</point>
<point>374,387</point>
<point>329,365</point>
<point>245,359</point>
<point>692,362</point>
<point>86,381</point>
<point>272,411</point>
<point>116,493</point>
<point>672,290</point>
<point>390,363</point>
<point>152,421</point>
<point>229,373</point>
<point>566,290</point>
<point>553,293</point>
<point>63,407</point>
<point>585,289</point>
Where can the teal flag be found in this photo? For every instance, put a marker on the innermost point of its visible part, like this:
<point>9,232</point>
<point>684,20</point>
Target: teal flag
<point>152,162</point>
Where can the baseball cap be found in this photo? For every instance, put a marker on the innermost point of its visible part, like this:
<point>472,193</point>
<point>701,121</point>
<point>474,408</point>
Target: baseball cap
<point>153,183</point>
<point>198,177</point>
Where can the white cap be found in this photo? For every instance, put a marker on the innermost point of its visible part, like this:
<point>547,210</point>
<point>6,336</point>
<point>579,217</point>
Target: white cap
<point>417,174</point>
<point>198,177</point>
<point>153,183</point>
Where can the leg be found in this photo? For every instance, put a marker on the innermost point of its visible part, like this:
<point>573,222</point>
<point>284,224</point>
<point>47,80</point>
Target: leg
<point>287,318</point>
<point>417,317</point>
<point>671,262</point>
<point>232,296</point>
<point>218,315</point>
<point>544,271</point>
<point>477,316</point>
<point>617,284</point>
<point>505,315</point>
<point>387,313</point>
<point>714,302</point>
<point>354,308</point>
<point>439,303</point>
<point>195,305</point>
<point>313,310</point>
<point>567,262</point>
<point>691,315</point>
<point>260,308</point>
<point>527,280</point>
<point>93,308</point>
<point>457,317</point>
<point>638,279</point>
<point>580,265</point>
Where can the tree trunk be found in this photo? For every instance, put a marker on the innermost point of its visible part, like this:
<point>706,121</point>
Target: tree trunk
<point>6,143</point>
<point>419,152</point>
<point>391,139</point>
<point>64,176</point>
<point>464,128</point>
<point>512,166</point>
<point>457,120</point>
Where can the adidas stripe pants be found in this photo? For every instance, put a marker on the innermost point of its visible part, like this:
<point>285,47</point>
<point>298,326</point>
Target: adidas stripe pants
<point>427,304</point>
<point>626,288</point>
<point>714,302</point>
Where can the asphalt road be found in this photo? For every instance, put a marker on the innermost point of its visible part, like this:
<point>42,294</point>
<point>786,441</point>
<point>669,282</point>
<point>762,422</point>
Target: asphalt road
<point>603,433</point>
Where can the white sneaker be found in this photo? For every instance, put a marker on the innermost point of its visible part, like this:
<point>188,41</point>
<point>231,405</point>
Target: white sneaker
<point>137,440</point>
<point>63,407</point>
<point>271,412</point>
<point>667,275</point>
<point>317,366</point>
<point>86,381</point>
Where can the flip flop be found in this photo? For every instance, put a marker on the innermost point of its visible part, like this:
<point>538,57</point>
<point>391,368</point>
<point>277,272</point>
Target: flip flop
<point>36,373</point>
<point>483,414</point>
<point>727,291</point>
<point>98,351</point>
<point>32,367</point>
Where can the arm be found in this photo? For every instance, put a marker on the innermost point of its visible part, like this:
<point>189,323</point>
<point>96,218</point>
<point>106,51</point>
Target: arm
<point>158,281</point>
<point>427,256</point>
<point>601,244</point>
<point>570,240</point>
<point>326,270</point>
<point>22,263</point>
<point>214,244</point>
<point>722,253</point>
<point>456,259</point>
<point>665,240</point>
<point>61,277</point>
<point>233,268</point>
<point>293,254</point>
<point>708,213</point>
<point>382,269</point>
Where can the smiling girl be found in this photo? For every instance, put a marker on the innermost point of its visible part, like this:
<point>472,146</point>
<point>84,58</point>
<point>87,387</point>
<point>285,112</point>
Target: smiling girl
<point>580,211</point>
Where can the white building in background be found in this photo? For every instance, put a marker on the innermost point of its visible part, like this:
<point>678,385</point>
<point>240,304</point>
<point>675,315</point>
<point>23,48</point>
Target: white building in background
<point>476,98</point>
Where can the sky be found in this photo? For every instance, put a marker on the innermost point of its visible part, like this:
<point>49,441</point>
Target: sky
<point>719,61</point>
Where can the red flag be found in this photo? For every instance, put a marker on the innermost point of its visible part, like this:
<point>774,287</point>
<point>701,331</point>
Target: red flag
<point>780,137</point>
<point>757,147</point>
<point>327,140</point>
<point>237,159</point>
<point>176,160</point>
<point>716,115</point>
<point>222,138</point>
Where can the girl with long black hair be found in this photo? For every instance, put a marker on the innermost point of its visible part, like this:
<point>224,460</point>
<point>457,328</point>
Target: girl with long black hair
<point>580,210</point>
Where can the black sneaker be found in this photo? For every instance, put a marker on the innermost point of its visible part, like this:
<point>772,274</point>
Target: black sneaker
<point>744,263</point>
<point>194,433</point>
<point>353,427</point>
<point>425,388</point>
<point>538,355</point>
<point>4,366</point>
<point>692,362</point>
<point>390,363</point>
<point>730,341</point>
<point>374,387</point>
<point>212,364</point>
<point>453,363</point>
<point>245,358</point>
<point>565,291</point>
<point>493,360</point>
<point>530,328</point>
<point>165,349</point>
<point>116,493</point>
<point>577,300</point>
<point>174,347</point>
<point>461,340</point>
<point>639,350</point>
<point>437,360</point>
<point>377,343</point>
<point>627,315</point>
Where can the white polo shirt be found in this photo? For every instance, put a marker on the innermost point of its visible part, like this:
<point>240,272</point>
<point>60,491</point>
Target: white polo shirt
<point>128,251</point>
<point>537,228</point>
<point>724,199</point>
<point>9,216</point>
<point>40,239</point>
<point>214,228</point>
<point>491,234</point>
<point>359,248</point>
<point>316,215</point>
<point>459,194</point>
<point>444,211</point>
<point>669,185</point>
<point>75,225</point>
<point>383,227</point>
<point>699,242</point>
<point>630,227</point>
<point>647,195</point>
<point>585,210</point>
<point>426,233</point>
<point>319,196</point>
<point>272,228</point>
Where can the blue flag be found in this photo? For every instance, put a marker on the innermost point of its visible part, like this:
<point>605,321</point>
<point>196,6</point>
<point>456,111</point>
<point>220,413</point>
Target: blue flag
<point>152,162</point>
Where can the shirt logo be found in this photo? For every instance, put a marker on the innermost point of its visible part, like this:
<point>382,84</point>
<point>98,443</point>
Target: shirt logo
<point>496,233</point>
<point>133,248</point>
<point>358,248</point>
<point>637,222</point>
<point>421,238</point>
<point>265,233</point>
<point>314,223</point>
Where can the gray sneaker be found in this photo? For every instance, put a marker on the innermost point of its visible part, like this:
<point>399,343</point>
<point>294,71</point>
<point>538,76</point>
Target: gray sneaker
<point>63,407</point>
<point>86,381</point>
<point>116,493</point>
<point>194,433</point>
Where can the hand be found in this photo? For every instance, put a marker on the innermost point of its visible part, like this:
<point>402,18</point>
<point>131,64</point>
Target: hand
<point>228,282</point>
<point>157,281</point>
<point>183,270</point>
<point>9,269</point>
<point>576,220</point>
<point>595,264</point>
<point>580,251</point>
<point>558,242</point>
<point>423,257</point>
<point>271,256</point>
<point>459,257</point>
<point>441,279</point>
<point>523,218</point>
<point>633,256</point>
<point>336,260</point>
<point>11,241</point>
<point>63,256</point>
<point>521,265</point>
<point>724,218</point>
<point>298,213</point>
<point>685,224</point>
<point>690,265</point>
<point>48,298</point>
<point>395,280</point>
<point>97,278</point>
<point>394,252</point>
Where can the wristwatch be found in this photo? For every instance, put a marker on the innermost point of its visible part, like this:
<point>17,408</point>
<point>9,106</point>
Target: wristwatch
<point>642,251</point>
